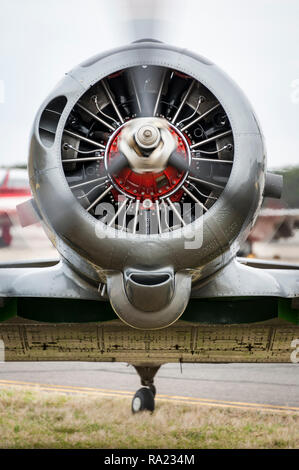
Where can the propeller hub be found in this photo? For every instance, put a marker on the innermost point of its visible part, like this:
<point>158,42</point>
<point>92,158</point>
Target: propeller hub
<point>148,174</point>
<point>147,143</point>
<point>147,137</point>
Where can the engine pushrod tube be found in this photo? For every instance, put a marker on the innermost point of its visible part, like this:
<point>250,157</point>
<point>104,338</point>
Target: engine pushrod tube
<point>208,183</point>
<point>112,101</point>
<point>159,94</point>
<point>118,212</point>
<point>194,198</point>
<point>214,160</point>
<point>175,211</point>
<point>136,215</point>
<point>158,216</point>
<point>79,185</point>
<point>85,139</point>
<point>183,102</point>
<point>111,128</point>
<point>100,198</point>
<point>211,139</point>
<point>200,117</point>
<point>87,159</point>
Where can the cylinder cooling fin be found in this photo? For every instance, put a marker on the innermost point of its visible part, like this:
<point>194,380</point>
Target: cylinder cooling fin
<point>147,149</point>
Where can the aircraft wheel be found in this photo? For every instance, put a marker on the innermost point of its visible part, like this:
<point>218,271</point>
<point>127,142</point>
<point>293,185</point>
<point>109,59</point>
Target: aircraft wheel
<point>153,389</point>
<point>143,400</point>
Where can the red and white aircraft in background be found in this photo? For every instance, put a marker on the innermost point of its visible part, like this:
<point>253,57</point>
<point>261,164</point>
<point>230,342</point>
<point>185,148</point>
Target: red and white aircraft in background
<point>14,189</point>
<point>275,221</point>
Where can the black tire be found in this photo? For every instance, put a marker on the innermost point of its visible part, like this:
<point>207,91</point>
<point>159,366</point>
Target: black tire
<point>143,400</point>
<point>153,389</point>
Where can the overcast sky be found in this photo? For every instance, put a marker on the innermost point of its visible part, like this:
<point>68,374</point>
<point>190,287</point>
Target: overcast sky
<point>255,41</point>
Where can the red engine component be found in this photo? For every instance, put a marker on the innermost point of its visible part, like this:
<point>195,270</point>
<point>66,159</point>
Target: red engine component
<point>149,185</point>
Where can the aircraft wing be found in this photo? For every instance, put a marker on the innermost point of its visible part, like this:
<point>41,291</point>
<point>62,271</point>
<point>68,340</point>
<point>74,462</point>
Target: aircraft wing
<point>246,290</point>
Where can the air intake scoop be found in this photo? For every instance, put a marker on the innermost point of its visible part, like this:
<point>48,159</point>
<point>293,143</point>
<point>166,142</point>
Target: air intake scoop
<point>148,299</point>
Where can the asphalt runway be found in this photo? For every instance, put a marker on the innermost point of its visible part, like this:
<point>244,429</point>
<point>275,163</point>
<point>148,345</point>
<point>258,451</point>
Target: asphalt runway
<point>260,386</point>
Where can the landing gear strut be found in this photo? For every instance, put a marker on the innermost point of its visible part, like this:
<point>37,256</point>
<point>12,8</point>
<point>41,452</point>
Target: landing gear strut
<point>144,398</point>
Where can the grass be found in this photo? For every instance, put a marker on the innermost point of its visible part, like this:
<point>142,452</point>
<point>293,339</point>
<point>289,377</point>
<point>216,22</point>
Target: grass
<point>34,419</point>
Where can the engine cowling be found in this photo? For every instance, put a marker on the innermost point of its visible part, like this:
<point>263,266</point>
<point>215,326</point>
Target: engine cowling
<point>125,143</point>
